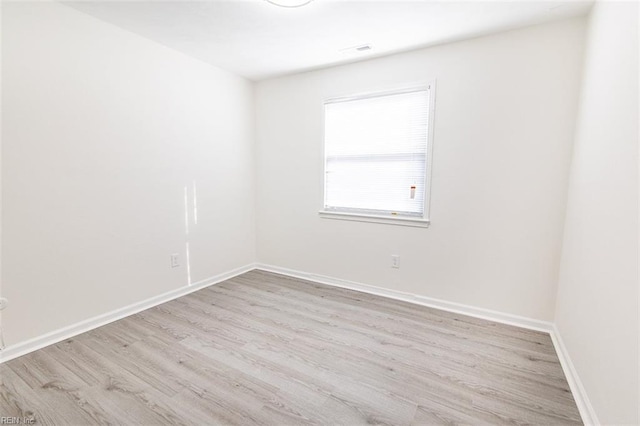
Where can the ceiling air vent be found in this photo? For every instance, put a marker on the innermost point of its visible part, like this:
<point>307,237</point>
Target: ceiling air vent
<point>357,49</point>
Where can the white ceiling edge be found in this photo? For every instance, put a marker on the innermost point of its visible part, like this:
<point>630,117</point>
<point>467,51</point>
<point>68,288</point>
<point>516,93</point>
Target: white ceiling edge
<point>441,42</point>
<point>258,40</point>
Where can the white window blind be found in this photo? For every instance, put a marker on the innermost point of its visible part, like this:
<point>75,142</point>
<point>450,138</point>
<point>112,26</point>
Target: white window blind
<point>376,154</point>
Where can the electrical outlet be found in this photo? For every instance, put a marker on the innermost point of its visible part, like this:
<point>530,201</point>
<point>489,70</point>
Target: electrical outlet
<point>395,261</point>
<point>175,260</point>
<point>3,303</point>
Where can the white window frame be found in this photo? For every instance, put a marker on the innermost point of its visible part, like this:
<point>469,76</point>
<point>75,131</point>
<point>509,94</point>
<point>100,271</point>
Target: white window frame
<point>418,221</point>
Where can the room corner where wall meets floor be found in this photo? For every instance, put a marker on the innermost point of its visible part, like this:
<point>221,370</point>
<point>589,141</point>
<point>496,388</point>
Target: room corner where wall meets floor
<point>580,395</point>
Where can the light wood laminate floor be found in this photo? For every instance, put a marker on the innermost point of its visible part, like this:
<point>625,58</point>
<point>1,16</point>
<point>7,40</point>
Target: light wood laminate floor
<point>267,349</point>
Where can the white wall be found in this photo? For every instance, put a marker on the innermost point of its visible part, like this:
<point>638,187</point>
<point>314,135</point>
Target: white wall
<point>597,305</point>
<point>505,111</point>
<point>102,129</point>
<point>1,332</point>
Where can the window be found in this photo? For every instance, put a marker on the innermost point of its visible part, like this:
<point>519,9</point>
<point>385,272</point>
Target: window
<point>377,157</point>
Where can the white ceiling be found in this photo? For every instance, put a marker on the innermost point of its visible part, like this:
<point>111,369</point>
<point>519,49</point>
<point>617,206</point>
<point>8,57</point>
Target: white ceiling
<point>258,40</point>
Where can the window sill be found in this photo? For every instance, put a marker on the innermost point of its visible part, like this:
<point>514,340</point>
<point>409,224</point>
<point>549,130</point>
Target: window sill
<point>400,221</point>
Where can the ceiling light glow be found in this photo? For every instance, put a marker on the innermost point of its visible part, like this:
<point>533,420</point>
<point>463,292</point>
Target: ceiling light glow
<point>289,3</point>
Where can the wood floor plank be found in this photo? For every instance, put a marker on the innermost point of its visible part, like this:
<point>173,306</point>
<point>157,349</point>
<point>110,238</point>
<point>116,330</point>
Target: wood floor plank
<point>266,349</point>
<point>383,328</point>
<point>560,392</point>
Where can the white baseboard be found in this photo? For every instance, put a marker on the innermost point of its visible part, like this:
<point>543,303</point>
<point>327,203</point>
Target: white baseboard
<point>22,348</point>
<point>579,394</point>
<point>459,308</point>
<point>578,391</point>
<point>582,401</point>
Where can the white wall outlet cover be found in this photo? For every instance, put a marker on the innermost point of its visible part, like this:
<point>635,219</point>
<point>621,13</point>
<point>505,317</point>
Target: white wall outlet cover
<point>3,303</point>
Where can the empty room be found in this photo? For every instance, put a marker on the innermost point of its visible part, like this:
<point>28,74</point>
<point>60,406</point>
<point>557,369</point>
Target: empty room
<point>329,212</point>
